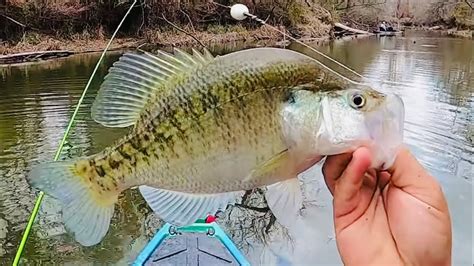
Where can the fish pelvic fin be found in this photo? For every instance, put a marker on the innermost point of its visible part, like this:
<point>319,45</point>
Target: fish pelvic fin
<point>87,199</point>
<point>285,200</point>
<point>182,209</point>
<point>135,79</point>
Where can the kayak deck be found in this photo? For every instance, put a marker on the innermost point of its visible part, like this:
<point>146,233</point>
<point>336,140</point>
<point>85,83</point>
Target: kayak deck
<point>196,244</point>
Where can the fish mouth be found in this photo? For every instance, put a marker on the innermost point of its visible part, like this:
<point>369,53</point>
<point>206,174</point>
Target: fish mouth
<point>386,129</point>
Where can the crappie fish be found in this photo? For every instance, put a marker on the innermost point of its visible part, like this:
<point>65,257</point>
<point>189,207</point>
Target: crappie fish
<point>207,128</point>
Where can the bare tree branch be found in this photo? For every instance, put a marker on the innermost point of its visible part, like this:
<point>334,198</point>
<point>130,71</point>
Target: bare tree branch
<point>189,19</point>
<point>185,32</point>
<point>257,209</point>
<point>349,6</point>
<point>14,21</point>
<point>471,5</point>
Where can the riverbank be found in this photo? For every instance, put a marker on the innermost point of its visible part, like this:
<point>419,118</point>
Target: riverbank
<point>467,34</point>
<point>86,26</point>
<point>38,47</point>
<point>450,32</point>
<point>34,43</point>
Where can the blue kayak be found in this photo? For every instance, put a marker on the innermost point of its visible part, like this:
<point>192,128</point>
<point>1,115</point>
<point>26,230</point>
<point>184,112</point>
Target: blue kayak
<point>197,244</point>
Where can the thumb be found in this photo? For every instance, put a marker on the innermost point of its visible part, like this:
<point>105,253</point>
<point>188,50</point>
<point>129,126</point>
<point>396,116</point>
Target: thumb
<point>347,188</point>
<point>410,176</point>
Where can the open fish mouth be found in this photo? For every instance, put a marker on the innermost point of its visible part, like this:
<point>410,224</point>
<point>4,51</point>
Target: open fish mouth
<point>386,131</point>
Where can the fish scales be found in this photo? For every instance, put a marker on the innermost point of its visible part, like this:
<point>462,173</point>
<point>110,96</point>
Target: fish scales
<point>205,129</point>
<point>218,110</point>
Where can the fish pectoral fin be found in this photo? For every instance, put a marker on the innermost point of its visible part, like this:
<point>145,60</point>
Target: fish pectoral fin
<point>280,165</point>
<point>285,200</point>
<point>135,79</point>
<point>181,209</point>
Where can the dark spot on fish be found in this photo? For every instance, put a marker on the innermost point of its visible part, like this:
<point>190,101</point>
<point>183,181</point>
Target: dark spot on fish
<point>100,170</point>
<point>113,164</point>
<point>177,125</point>
<point>161,147</point>
<point>135,143</point>
<point>160,137</point>
<point>145,152</point>
<point>125,155</point>
<point>133,162</point>
<point>213,100</point>
<point>83,169</point>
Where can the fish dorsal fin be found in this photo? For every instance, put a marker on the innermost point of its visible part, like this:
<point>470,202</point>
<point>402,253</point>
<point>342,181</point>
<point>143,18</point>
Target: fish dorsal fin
<point>135,78</point>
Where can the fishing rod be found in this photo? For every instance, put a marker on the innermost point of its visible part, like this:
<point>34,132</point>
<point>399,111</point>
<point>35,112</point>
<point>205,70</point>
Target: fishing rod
<point>39,199</point>
<point>238,12</point>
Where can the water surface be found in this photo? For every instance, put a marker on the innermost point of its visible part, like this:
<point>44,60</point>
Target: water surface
<point>433,75</point>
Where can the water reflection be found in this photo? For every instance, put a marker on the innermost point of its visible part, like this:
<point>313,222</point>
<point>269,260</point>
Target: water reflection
<point>434,77</point>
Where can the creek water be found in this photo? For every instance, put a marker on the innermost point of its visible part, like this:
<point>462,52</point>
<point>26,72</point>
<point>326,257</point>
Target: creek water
<point>433,74</point>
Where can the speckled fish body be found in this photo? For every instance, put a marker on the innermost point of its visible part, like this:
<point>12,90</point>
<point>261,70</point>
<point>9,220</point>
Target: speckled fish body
<point>206,133</point>
<point>205,129</point>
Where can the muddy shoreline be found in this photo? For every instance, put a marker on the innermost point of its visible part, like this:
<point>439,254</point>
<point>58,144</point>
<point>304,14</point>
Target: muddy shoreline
<point>49,48</point>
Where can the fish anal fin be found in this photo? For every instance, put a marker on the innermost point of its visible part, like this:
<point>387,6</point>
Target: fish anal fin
<point>181,209</point>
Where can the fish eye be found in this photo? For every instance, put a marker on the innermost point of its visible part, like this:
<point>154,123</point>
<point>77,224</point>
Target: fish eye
<point>357,101</point>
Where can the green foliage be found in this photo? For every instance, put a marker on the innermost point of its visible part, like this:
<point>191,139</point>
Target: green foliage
<point>221,29</point>
<point>297,13</point>
<point>31,38</point>
<point>75,18</point>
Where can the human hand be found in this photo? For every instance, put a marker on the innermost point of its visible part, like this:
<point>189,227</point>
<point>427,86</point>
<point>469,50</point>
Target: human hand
<point>394,217</point>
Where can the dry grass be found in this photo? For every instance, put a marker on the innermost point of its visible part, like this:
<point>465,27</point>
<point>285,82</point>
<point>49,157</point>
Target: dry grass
<point>88,43</point>
<point>229,34</point>
<point>48,43</point>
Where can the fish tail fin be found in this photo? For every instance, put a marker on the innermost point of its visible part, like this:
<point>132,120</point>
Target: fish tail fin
<point>87,201</point>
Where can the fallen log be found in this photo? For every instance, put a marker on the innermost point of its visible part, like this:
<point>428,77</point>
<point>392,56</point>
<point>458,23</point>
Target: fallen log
<point>33,56</point>
<point>346,28</point>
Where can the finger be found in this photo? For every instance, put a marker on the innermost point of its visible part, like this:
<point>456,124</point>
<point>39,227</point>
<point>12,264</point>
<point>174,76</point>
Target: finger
<point>384,178</point>
<point>371,178</point>
<point>333,168</point>
<point>410,176</point>
<point>347,188</point>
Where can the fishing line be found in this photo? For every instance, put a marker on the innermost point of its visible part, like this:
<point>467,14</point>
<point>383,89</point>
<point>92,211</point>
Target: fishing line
<point>39,199</point>
<point>72,119</point>
<point>240,12</point>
